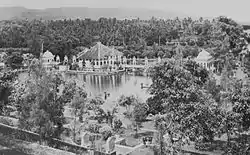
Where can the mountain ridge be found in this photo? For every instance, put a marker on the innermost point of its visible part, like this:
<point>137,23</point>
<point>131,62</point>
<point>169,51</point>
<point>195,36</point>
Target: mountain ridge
<point>20,13</point>
<point>7,13</point>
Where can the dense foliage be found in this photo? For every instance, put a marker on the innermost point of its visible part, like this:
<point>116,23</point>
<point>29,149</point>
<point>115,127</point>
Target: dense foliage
<point>179,92</point>
<point>170,79</point>
<point>14,61</point>
<point>133,37</point>
<point>6,85</point>
<point>39,102</point>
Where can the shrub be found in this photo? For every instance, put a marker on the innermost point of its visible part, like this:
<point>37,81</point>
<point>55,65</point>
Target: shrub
<point>93,128</point>
<point>117,124</point>
<point>6,121</point>
<point>106,132</point>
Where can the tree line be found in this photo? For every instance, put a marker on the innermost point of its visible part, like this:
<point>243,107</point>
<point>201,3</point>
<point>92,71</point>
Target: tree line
<point>134,37</point>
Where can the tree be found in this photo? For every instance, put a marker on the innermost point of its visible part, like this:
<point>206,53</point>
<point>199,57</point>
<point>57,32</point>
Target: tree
<point>213,88</point>
<point>6,87</point>
<point>198,72</point>
<point>190,71</point>
<point>15,61</point>
<point>117,125</point>
<point>110,115</point>
<point>233,118</point>
<point>40,104</point>
<point>163,125</point>
<point>136,110</point>
<point>180,93</point>
<point>106,132</point>
<point>240,103</point>
<point>95,103</point>
<point>93,128</point>
<point>78,104</point>
<point>139,114</point>
<point>128,102</point>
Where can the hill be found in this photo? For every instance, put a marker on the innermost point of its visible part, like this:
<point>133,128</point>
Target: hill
<point>7,13</point>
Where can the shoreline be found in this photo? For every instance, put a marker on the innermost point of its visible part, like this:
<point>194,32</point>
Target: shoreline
<point>93,73</point>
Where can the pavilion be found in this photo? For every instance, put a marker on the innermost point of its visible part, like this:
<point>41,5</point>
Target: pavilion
<point>204,60</point>
<point>100,55</point>
<point>48,60</point>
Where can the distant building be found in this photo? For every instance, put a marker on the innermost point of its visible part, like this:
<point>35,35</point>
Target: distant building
<point>15,50</point>
<point>100,55</point>
<point>2,65</point>
<point>204,59</point>
<point>48,60</point>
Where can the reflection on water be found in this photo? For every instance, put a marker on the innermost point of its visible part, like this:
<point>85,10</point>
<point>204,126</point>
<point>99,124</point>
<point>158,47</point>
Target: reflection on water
<point>116,85</point>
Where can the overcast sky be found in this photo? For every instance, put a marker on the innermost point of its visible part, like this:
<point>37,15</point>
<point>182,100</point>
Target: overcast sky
<point>236,9</point>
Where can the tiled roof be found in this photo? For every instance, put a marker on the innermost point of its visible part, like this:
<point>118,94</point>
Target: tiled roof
<point>104,52</point>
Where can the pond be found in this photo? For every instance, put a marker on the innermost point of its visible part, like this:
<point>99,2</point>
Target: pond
<point>115,85</point>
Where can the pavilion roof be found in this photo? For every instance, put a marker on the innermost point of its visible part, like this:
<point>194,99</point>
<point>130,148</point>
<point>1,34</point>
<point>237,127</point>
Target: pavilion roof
<point>48,54</point>
<point>104,52</point>
<point>204,55</point>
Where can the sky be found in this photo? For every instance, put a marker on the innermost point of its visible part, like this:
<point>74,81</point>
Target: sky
<point>239,10</point>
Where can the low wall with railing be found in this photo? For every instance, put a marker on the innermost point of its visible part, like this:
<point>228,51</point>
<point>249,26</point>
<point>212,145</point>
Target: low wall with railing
<point>55,143</point>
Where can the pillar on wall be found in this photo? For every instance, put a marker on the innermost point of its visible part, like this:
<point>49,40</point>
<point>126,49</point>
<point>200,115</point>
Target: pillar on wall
<point>99,63</point>
<point>80,63</point>
<point>113,61</point>
<point>74,59</point>
<point>58,59</point>
<point>109,61</point>
<point>95,63</point>
<point>134,60</point>
<point>124,60</point>
<point>66,59</point>
<point>146,61</point>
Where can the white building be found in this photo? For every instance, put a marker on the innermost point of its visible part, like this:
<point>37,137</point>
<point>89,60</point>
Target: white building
<point>2,65</point>
<point>48,59</point>
<point>100,56</point>
<point>204,60</point>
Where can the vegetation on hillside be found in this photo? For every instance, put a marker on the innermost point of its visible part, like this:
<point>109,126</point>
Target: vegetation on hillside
<point>134,37</point>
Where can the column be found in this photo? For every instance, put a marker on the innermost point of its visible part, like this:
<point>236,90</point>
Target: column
<point>113,61</point>
<point>99,83</point>
<point>95,63</point>
<point>146,61</point>
<point>113,80</point>
<point>109,60</point>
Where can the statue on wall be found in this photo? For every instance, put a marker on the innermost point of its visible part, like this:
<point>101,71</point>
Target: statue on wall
<point>134,60</point>
<point>146,61</point>
<point>66,59</point>
<point>58,59</point>
<point>74,59</point>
